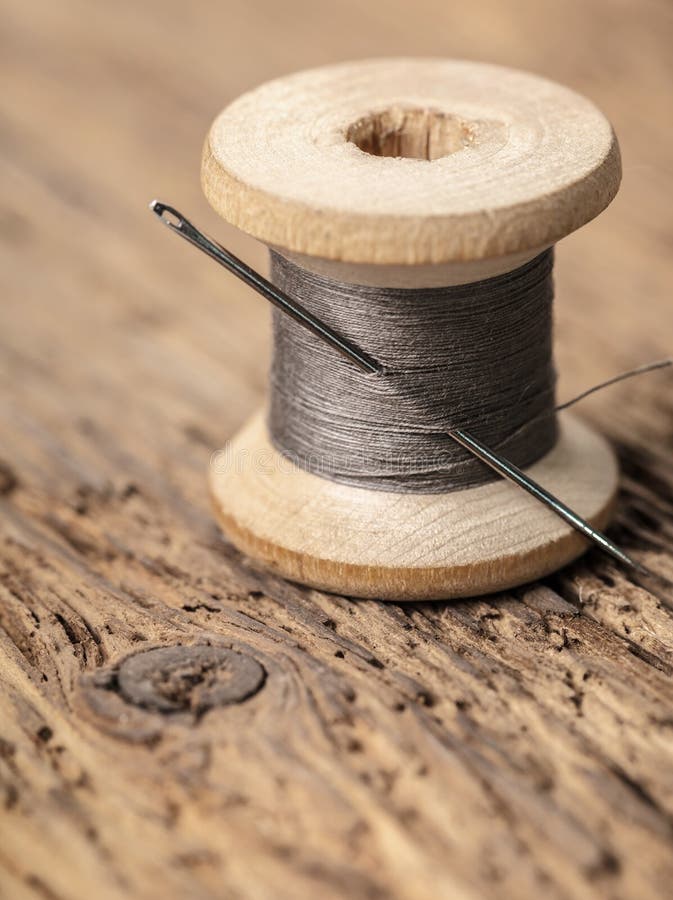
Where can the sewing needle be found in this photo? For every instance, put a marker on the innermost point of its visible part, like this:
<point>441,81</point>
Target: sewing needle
<point>182,226</point>
<point>279,298</point>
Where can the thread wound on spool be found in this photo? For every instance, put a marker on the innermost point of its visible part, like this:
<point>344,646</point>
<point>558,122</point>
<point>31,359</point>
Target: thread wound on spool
<point>499,165</point>
<point>475,356</point>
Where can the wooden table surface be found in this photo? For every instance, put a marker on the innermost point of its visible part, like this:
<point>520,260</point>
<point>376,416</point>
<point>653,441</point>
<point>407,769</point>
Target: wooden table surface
<point>511,747</point>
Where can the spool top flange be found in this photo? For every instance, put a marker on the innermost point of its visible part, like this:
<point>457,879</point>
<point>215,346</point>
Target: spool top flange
<point>410,162</point>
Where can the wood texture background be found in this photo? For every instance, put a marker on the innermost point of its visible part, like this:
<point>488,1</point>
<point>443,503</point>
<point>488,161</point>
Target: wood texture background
<point>513,747</point>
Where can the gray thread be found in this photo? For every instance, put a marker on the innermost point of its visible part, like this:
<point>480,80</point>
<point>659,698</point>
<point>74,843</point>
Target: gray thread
<point>475,356</point>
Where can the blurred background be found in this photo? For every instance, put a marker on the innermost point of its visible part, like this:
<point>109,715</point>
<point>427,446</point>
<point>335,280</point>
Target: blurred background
<point>106,105</point>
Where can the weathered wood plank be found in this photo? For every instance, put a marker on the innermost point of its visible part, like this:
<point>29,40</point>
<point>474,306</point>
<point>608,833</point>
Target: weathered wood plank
<point>508,747</point>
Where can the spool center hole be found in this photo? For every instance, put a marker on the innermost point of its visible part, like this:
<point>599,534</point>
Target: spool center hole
<point>411,133</point>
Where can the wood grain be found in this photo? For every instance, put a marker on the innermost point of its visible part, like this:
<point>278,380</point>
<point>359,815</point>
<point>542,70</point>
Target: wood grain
<point>483,161</point>
<point>405,546</point>
<point>510,747</point>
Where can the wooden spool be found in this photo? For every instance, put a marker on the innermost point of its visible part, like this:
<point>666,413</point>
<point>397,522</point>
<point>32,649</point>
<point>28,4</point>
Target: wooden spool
<point>414,173</point>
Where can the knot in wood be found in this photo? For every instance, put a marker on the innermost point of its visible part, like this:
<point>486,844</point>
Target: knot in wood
<point>189,679</point>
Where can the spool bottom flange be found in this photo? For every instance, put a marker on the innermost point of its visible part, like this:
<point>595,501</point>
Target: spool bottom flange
<point>405,546</point>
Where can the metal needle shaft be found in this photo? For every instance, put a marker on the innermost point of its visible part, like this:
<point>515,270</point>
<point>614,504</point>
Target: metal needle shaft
<point>512,473</point>
<point>177,223</point>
